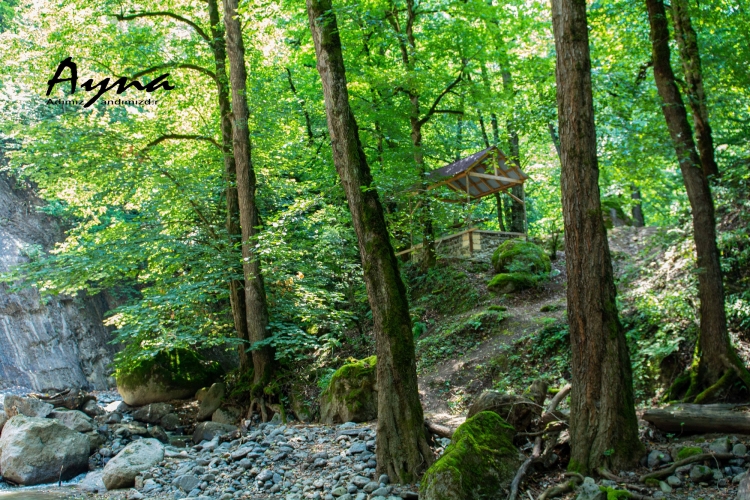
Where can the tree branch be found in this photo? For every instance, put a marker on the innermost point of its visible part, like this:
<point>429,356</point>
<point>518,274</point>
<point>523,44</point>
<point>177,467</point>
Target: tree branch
<point>160,67</point>
<point>445,91</point>
<point>166,137</point>
<point>192,24</point>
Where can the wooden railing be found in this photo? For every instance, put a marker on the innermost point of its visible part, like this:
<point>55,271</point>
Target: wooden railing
<point>460,244</point>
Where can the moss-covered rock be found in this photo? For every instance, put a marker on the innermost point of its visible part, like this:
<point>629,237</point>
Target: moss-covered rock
<point>351,395</point>
<point>479,463</point>
<point>512,282</point>
<point>517,411</point>
<point>168,375</point>
<point>519,255</point>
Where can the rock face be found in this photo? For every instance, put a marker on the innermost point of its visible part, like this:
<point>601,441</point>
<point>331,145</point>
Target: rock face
<point>41,450</point>
<point>515,410</point>
<point>479,463</point>
<point>30,407</point>
<point>211,401</point>
<point>168,375</point>
<point>352,394</point>
<point>136,457</point>
<point>48,346</point>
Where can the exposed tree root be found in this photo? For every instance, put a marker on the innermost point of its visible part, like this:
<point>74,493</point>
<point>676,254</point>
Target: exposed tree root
<point>440,430</point>
<point>697,392</point>
<point>555,491</point>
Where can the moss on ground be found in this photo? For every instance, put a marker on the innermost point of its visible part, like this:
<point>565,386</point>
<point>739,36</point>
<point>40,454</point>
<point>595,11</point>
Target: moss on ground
<point>688,451</point>
<point>613,494</point>
<point>479,463</point>
<point>512,282</point>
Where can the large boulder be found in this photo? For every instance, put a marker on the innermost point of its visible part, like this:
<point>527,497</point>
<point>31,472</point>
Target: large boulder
<point>135,458</point>
<point>479,464</point>
<point>211,401</point>
<point>206,431</point>
<point>519,264</point>
<point>3,419</point>
<point>93,483</point>
<point>351,395</point>
<point>515,410</point>
<point>166,376</point>
<point>74,420</point>
<point>228,415</point>
<point>41,450</point>
<point>30,407</point>
<point>153,413</point>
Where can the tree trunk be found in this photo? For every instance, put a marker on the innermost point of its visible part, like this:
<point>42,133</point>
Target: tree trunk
<point>517,210</point>
<point>429,258</point>
<point>236,288</point>
<point>714,352</point>
<point>603,426</point>
<point>687,41</point>
<point>402,449</point>
<point>255,294</point>
<point>637,211</point>
<point>498,198</point>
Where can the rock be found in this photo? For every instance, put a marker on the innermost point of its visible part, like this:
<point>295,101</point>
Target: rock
<point>738,450</point>
<point>96,440</point>
<point>40,450</point>
<point>113,418</point>
<point>135,458</point>
<point>666,488</point>
<point>168,375</point>
<point>211,401</point>
<point>674,481</point>
<point>157,432</point>
<point>187,482</point>
<point>93,483</point>
<point>30,407</point>
<point>201,393</point>
<point>359,481</point>
<point>3,419</point>
<point>73,419</point>
<point>520,264</point>
<point>351,396</point>
<point>152,413</point>
<point>384,479</point>
<point>229,415</point>
<point>743,490</point>
<point>516,410</point>
<point>480,462</point>
<point>656,457</point>
<point>721,445</point>
<point>170,421</point>
<point>701,473</point>
<point>688,451</point>
<point>206,431</point>
<point>92,409</point>
<point>590,491</point>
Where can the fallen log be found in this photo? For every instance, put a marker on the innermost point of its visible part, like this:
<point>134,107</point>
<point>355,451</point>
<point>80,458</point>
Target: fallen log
<point>692,418</point>
<point>440,430</point>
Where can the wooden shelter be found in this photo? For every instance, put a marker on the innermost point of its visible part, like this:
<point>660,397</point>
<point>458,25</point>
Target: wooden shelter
<point>479,175</point>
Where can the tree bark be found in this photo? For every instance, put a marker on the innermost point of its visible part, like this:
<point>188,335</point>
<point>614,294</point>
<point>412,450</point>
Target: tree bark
<point>690,418</point>
<point>517,210</point>
<point>637,210</point>
<point>603,426</point>
<point>714,351</point>
<point>255,294</point>
<point>687,41</point>
<point>402,449</point>
<point>236,287</point>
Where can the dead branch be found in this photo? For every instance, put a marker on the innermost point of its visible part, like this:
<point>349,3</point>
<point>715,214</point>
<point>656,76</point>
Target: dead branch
<point>554,491</point>
<point>535,454</point>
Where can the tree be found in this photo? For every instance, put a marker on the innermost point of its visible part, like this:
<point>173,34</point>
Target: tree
<point>255,293</point>
<point>687,41</point>
<point>716,364</point>
<point>603,426</point>
<point>402,449</point>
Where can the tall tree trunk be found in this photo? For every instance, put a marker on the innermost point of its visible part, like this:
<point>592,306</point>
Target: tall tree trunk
<point>236,287</point>
<point>498,198</point>
<point>429,258</point>
<point>255,294</point>
<point>715,354</point>
<point>402,449</point>
<point>637,211</point>
<point>687,41</point>
<point>517,210</point>
<point>603,425</point>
